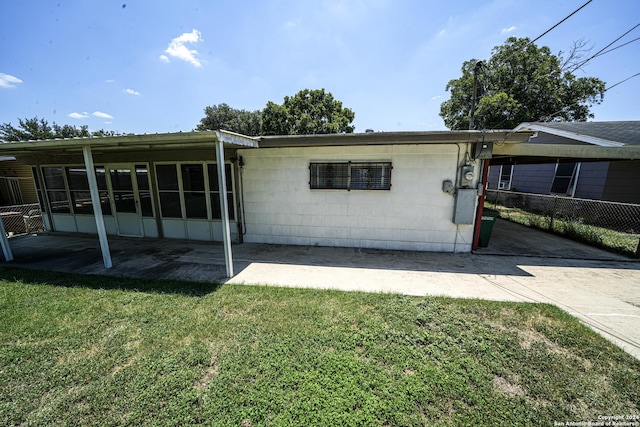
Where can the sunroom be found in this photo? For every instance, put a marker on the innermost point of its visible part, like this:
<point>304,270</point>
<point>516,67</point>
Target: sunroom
<point>177,186</point>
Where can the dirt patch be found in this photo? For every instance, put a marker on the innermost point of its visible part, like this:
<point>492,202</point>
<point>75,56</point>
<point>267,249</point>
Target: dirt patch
<point>212,371</point>
<point>505,387</point>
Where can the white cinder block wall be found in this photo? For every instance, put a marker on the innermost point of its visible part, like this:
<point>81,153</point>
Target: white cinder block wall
<point>415,214</point>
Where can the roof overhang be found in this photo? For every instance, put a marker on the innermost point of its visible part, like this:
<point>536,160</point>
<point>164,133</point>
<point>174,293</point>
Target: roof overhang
<point>160,141</point>
<point>543,153</point>
<point>396,138</point>
<point>537,127</point>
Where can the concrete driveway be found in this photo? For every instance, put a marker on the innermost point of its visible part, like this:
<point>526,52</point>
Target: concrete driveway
<point>601,289</point>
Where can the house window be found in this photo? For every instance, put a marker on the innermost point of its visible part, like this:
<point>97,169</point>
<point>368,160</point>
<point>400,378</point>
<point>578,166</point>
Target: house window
<point>56,191</point>
<point>103,191</point>
<point>144,191</point>
<point>195,201</point>
<point>169,191</point>
<point>79,190</point>
<point>350,176</point>
<point>36,179</point>
<point>506,172</point>
<point>214,193</point>
<point>563,179</point>
<point>194,183</point>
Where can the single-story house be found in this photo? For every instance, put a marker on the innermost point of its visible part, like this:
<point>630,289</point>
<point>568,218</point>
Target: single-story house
<point>599,180</point>
<point>385,190</point>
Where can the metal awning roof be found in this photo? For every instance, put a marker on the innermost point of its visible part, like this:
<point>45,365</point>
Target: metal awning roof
<point>176,140</point>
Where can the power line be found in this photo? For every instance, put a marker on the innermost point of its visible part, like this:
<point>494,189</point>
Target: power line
<point>622,81</point>
<point>577,103</point>
<point>617,47</point>
<point>552,28</point>
<point>604,48</point>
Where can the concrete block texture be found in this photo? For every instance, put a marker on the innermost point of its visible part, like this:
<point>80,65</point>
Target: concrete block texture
<point>414,214</point>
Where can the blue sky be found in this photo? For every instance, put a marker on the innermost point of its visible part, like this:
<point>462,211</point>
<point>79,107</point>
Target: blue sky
<point>147,66</point>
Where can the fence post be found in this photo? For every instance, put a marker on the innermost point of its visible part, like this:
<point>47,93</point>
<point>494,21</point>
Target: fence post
<point>553,212</point>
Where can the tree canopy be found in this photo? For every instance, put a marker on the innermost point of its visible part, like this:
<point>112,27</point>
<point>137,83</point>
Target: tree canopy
<point>38,128</point>
<point>519,83</point>
<point>307,112</point>
<point>222,116</point>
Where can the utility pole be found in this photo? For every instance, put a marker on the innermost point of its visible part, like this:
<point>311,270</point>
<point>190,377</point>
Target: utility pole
<point>473,95</point>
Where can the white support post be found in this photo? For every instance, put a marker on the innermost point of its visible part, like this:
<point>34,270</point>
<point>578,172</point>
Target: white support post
<point>97,208</point>
<point>224,208</point>
<point>4,241</point>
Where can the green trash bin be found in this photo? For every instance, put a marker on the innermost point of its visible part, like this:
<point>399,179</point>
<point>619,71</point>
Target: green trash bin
<point>486,226</point>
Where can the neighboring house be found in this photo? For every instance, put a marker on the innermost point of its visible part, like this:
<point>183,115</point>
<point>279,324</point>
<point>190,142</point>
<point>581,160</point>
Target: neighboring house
<point>600,180</point>
<point>16,183</point>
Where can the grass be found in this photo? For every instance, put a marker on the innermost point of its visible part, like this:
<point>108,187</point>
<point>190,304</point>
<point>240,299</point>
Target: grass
<point>79,350</point>
<point>615,241</point>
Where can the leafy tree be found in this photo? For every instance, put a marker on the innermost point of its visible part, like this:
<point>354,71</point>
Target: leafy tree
<point>102,132</point>
<point>222,116</point>
<point>520,82</point>
<point>36,129</point>
<point>307,112</point>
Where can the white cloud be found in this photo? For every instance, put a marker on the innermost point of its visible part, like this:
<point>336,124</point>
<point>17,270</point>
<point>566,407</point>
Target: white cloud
<point>177,48</point>
<point>433,98</point>
<point>110,81</point>
<point>7,80</point>
<point>103,115</point>
<point>508,30</point>
<point>132,92</point>
<point>75,115</point>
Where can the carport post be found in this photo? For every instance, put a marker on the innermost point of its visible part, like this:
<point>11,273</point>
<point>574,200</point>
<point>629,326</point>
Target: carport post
<point>97,206</point>
<point>6,248</point>
<point>224,208</point>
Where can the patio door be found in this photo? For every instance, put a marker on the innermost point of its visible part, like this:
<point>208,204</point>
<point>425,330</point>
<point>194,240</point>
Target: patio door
<point>125,197</point>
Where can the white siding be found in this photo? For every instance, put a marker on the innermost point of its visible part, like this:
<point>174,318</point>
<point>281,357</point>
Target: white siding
<point>414,215</point>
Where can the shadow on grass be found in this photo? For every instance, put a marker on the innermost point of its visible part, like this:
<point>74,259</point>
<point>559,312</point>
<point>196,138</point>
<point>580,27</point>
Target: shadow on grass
<point>71,280</point>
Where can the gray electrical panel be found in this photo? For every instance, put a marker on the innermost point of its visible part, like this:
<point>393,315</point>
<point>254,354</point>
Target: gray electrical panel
<point>464,211</point>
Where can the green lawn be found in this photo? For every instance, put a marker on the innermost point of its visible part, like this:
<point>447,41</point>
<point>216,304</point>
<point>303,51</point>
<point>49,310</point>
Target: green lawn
<point>79,350</point>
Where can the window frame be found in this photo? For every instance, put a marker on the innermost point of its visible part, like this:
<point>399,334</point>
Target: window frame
<point>349,175</point>
<point>559,180</point>
<point>48,191</point>
<point>208,192</point>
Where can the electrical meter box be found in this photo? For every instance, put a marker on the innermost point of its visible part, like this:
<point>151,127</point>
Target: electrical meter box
<point>464,211</point>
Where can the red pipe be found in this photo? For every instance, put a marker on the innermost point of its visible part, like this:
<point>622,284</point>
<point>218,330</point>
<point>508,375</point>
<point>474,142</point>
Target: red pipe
<point>476,232</point>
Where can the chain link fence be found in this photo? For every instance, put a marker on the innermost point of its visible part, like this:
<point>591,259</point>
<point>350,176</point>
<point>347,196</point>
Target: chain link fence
<point>609,225</point>
<point>21,219</point>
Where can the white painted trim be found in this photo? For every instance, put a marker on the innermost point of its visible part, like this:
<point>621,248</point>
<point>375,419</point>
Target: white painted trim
<point>567,134</point>
<point>227,137</point>
<point>224,208</point>
<point>97,207</point>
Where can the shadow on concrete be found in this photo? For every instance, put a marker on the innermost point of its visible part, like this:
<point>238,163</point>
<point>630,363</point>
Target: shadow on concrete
<point>175,260</point>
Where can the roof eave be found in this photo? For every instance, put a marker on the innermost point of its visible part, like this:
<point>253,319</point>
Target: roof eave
<point>567,134</point>
<point>394,138</point>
